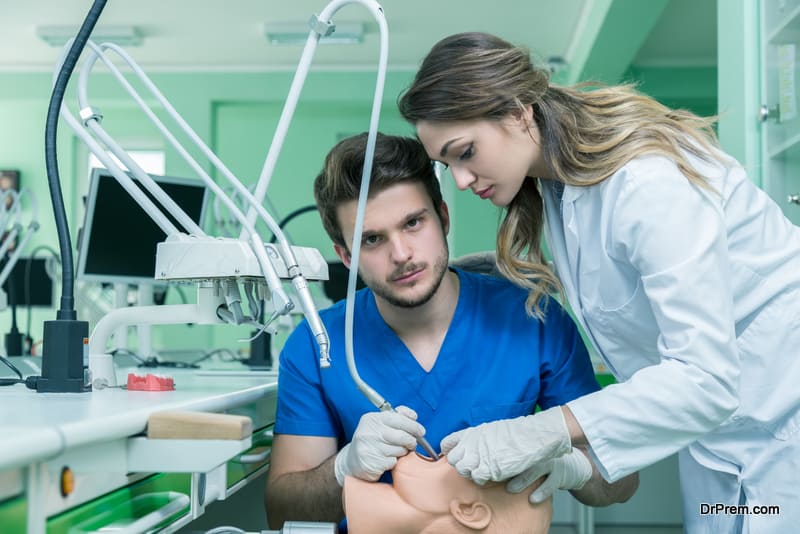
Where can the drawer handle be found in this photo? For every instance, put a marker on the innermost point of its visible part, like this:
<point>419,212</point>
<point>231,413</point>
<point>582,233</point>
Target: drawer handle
<point>254,458</point>
<point>177,502</point>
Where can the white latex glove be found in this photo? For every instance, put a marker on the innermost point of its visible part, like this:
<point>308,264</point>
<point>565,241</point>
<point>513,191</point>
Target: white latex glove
<point>569,472</point>
<point>379,439</point>
<point>503,449</point>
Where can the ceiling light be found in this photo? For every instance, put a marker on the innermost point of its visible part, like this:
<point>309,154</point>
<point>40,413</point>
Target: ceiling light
<point>119,35</point>
<point>295,33</point>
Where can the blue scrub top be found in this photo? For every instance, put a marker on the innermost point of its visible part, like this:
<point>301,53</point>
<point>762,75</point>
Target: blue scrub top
<point>495,363</point>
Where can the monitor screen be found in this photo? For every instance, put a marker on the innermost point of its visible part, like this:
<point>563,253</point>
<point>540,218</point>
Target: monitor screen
<point>29,283</point>
<point>118,240</point>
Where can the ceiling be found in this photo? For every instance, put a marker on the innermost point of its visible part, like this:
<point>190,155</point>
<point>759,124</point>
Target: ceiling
<point>216,35</point>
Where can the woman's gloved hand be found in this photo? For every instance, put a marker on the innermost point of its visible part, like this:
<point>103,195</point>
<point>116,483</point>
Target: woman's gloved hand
<point>379,439</point>
<point>569,472</point>
<point>503,449</point>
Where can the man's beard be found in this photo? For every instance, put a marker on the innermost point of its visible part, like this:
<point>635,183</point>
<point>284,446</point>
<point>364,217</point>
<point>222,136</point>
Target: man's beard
<point>384,291</point>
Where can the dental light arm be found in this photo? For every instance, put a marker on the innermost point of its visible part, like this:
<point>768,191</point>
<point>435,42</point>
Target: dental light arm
<point>320,26</point>
<point>11,235</point>
<point>9,238</point>
<point>27,232</point>
<point>91,120</point>
<point>281,303</point>
<point>9,207</point>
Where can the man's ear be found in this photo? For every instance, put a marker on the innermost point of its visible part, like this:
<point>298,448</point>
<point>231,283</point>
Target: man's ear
<point>474,515</point>
<point>343,254</point>
<point>444,215</point>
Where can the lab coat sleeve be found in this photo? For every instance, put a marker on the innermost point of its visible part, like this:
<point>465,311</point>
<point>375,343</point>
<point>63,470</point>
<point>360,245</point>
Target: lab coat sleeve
<point>673,234</point>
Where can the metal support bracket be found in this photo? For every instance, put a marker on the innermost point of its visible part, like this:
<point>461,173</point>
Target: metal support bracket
<point>323,27</point>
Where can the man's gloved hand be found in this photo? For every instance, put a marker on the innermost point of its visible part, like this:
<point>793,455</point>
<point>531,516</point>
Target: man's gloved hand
<point>380,438</point>
<point>569,472</point>
<point>503,449</point>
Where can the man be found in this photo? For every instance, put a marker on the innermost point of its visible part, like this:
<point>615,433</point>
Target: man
<point>450,349</point>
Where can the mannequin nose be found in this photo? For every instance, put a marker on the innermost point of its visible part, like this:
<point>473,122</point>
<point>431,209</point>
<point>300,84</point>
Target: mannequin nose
<point>462,177</point>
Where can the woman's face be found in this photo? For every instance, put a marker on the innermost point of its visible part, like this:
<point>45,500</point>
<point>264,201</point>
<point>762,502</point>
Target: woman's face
<point>491,158</point>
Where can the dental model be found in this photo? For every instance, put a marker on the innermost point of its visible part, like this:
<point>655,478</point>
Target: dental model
<point>428,497</point>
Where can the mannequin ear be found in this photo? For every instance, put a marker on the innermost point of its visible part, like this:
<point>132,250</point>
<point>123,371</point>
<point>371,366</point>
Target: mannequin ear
<point>474,515</point>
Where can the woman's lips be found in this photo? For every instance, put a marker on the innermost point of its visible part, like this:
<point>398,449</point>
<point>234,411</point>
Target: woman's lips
<point>485,193</point>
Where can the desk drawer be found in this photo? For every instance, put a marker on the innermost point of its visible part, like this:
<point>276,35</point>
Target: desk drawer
<point>14,515</point>
<point>125,505</point>
<point>252,460</point>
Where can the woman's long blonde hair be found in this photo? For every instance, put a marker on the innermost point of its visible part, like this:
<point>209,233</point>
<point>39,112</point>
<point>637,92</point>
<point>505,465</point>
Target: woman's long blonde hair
<point>587,134</point>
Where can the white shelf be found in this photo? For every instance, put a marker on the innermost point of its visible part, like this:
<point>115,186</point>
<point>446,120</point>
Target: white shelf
<point>787,30</point>
<point>783,147</point>
<point>181,455</point>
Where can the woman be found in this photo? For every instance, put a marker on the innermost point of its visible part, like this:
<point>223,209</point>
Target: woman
<point>683,274</point>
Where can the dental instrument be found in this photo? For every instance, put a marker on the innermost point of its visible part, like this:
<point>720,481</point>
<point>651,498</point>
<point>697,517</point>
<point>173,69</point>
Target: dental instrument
<point>321,26</point>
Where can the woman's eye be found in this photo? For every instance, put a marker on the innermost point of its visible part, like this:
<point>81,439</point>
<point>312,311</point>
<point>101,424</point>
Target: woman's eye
<point>467,153</point>
<point>370,240</point>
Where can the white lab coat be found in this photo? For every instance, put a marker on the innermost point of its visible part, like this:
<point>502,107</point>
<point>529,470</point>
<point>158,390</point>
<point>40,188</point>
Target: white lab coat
<point>692,299</point>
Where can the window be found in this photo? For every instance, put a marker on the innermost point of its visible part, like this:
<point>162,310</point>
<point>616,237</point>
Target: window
<point>151,161</point>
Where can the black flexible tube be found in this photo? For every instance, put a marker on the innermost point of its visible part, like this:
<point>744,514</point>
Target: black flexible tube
<point>67,309</point>
<point>292,215</point>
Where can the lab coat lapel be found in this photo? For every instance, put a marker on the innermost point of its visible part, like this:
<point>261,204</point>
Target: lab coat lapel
<point>562,239</point>
<point>568,261</point>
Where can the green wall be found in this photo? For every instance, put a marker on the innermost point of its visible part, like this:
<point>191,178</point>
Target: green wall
<point>690,88</point>
<point>236,114</point>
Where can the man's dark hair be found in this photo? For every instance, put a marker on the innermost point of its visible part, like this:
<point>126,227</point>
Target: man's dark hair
<point>397,160</point>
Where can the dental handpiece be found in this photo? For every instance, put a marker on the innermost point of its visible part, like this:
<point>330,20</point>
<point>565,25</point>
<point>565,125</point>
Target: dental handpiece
<point>421,441</point>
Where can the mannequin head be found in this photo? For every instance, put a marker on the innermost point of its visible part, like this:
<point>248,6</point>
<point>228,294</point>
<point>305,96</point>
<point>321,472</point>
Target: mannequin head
<point>430,497</point>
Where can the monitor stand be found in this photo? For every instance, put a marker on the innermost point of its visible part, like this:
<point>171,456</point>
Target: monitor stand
<point>260,352</point>
<point>144,332</point>
<point>14,337</point>
<point>121,301</point>
<point>260,348</point>
<point>260,362</point>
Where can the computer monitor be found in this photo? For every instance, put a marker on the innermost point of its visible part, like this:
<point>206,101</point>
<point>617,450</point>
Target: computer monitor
<point>118,240</point>
<point>29,283</point>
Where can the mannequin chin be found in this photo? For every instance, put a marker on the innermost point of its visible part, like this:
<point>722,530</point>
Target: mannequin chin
<point>430,497</point>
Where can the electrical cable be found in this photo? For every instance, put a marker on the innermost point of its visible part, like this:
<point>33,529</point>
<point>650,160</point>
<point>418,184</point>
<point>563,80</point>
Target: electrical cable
<point>67,304</point>
<point>11,381</point>
<point>30,382</point>
<point>153,361</point>
<point>233,356</point>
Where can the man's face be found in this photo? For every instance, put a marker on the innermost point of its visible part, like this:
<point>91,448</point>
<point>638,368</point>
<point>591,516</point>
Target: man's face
<point>404,252</point>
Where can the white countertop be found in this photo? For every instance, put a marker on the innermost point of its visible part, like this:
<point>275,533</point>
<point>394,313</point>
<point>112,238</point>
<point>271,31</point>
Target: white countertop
<point>38,426</point>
